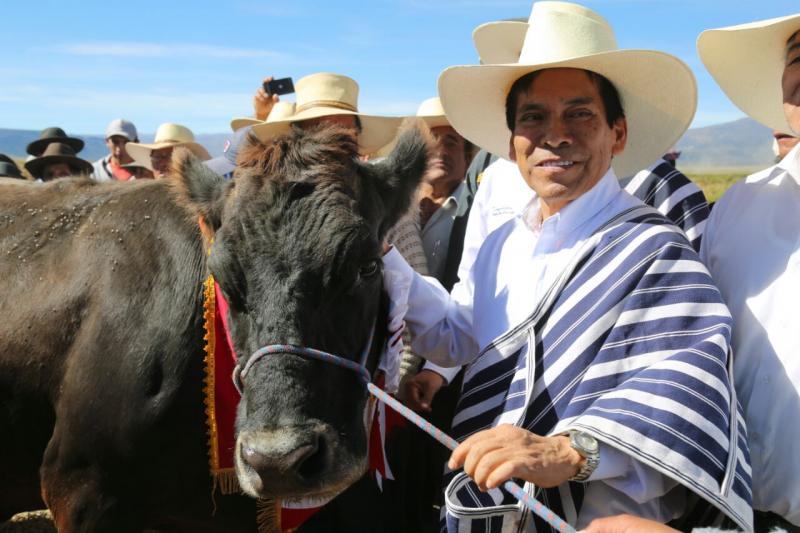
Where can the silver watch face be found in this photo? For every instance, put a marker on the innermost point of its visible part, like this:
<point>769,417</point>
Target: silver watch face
<point>586,442</point>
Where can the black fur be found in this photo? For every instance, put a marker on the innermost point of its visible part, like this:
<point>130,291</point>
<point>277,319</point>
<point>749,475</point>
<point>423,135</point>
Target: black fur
<point>101,345</point>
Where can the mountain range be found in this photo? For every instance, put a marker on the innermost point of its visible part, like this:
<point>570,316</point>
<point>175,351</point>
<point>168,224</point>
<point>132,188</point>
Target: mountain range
<point>738,144</point>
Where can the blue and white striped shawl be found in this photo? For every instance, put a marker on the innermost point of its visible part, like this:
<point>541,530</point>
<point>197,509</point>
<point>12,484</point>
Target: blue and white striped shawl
<point>630,345</point>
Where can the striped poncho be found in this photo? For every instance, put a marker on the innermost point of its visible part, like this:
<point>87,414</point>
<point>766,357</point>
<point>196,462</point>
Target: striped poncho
<point>630,345</point>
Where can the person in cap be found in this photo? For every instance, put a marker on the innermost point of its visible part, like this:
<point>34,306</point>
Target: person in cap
<point>596,340</point>
<point>9,168</point>
<point>157,156</point>
<point>119,133</point>
<point>751,247</point>
<point>57,161</point>
<point>659,184</point>
<point>51,135</point>
<point>327,98</point>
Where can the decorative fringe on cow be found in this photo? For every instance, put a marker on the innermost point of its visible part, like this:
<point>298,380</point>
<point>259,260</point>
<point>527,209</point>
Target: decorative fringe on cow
<point>220,399</point>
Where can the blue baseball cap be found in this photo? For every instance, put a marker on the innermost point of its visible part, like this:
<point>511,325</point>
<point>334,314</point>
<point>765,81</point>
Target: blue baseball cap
<point>225,164</point>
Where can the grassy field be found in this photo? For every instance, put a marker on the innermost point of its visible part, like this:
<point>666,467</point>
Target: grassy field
<point>714,183</point>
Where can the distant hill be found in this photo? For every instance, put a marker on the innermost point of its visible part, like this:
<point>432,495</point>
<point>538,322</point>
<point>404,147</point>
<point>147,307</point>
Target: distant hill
<point>741,143</point>
<point>13,143</point>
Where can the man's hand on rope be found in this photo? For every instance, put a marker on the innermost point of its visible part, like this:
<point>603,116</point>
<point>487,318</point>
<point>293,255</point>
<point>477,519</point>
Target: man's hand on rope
<point>493,456</point>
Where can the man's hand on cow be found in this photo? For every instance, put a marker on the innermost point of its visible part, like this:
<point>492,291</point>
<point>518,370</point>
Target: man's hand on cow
<point>626,523</point>
<point>496,455</point>
<point>262,102</point>
<point>419,390</point>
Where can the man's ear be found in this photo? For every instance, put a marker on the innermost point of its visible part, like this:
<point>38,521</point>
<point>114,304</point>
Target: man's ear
<point>620,128</point>
<point>202,191</point>
<point>398,176</point>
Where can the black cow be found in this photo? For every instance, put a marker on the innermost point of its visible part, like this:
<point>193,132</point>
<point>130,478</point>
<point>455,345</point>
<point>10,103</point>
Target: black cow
<point>101,337</point>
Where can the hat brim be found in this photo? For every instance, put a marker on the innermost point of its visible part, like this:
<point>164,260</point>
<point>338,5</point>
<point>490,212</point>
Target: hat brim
<point>658,93</point>
<point>747,62</point>
<point>36,165</point>
<point>10,170</point>
<point>37,147</point>
<point>140,153</point>
<point>243,122</point>
<point>376,131</point>
<point>499,42</point>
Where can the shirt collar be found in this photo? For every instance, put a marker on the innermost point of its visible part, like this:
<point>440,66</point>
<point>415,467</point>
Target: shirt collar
<point>791,163</point>
<point>577,212</point>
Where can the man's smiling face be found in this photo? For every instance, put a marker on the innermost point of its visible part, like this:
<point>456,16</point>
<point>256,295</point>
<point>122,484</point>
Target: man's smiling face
<point>562,142</point>
<point>791,82</point>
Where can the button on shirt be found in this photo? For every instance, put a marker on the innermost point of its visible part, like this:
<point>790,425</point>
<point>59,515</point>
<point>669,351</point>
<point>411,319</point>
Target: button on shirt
<point>436,234</point>
<point>752,248</point>
<point>514,267</point>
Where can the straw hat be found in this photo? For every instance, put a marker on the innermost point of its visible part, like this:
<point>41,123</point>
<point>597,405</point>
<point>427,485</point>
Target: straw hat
<point>658,91</point>
<point>280,110</point>
<point>747,61</point>
<point>57,152</point>
<point>325,94</point>
<point>501,41</point>
<point>167,135</point>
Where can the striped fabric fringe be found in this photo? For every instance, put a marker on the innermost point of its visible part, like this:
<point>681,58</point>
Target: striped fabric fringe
<point>673,195</point>
<point>630,345</point>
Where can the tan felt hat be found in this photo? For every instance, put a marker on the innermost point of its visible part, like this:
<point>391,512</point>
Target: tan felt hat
<point>167,134</point>
<point>325,94</point>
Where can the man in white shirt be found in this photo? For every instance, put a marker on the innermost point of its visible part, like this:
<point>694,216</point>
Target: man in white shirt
<point>752,248</point>
<point>597,343</point>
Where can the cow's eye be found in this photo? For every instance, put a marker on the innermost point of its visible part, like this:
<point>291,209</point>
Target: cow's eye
<point>369,269</point>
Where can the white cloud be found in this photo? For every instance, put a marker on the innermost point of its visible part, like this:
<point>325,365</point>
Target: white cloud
<point>137,49</point>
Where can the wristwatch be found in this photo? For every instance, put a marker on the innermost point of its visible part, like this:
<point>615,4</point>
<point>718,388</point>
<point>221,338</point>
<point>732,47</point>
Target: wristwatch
<point>587,446</point>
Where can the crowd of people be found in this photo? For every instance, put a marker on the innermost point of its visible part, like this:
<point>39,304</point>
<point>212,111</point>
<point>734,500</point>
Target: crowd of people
<point>577,317</point>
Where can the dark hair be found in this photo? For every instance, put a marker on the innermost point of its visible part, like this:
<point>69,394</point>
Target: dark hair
<point>608,93</point>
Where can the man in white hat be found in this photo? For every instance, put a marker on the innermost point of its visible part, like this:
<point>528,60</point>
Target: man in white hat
<point>752,249</point>
<point>596,341</point>
<point>119,132</point>
<point>658,184</point>
<point>157,156</point>
<point>329,98</point>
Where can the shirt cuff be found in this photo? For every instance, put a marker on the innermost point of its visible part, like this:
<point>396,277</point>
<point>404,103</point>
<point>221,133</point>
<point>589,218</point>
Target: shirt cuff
<point>448,374</point>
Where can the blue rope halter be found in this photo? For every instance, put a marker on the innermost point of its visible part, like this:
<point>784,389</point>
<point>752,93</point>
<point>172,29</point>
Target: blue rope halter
<point>240,373</point>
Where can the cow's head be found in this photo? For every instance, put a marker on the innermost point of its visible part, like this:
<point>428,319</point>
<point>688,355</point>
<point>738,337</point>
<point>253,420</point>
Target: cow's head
<point>297,251</point>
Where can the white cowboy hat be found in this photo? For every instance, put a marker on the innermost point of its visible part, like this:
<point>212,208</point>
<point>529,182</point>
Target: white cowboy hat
<point>325,94</point>
<point>280,110</point>
<point>747,61</point>
<point>429,111</point>
<point>501,41</point>
<point>658,91</point>
<point>167,134</point>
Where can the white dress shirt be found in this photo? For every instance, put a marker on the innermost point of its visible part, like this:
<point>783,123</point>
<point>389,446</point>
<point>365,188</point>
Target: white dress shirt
<point>752,248</point>
<point>516,264</point>
<point>502,195</point>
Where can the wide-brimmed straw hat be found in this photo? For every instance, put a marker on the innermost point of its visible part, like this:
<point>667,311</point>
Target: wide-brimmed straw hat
<point>280,110</point>
<point>323,95</point>
<point>51,135</point>
<point>747,61</point>
<point>500,41</point>
<point>167,135</point>
<point>658,91</point>
<point>57,152</point>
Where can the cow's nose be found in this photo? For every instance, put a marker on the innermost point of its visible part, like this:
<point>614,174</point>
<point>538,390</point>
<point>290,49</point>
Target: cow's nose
<point>299,454</point>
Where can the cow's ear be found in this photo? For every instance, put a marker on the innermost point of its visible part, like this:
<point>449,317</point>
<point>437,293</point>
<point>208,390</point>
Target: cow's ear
<point>199,188</point>
<point>398,176</point>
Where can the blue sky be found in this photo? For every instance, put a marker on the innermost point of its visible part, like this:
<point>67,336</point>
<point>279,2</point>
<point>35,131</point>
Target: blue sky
<point>81,64</point>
